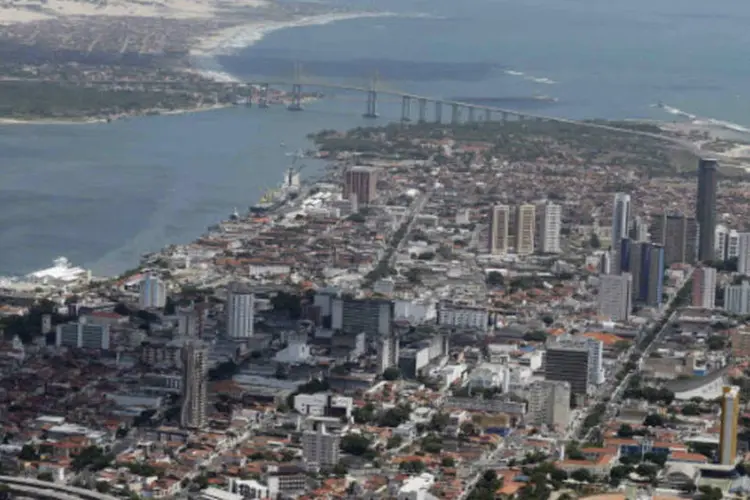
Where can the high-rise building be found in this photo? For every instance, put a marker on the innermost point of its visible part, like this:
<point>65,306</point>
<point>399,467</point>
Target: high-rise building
<point>620,217</point>
<point>194,385</point>
<point>615,296</point>
<point>240,311</point>
<point>654,289</point>
<point>743,254</point>
<point>374,317</point>
<point>645,263</point>
<point>737,298</point>
<point>726,243</point>
<point>153,293</point>
<point>730,413</point>
<point>548,228</point>
<point>704,287</point>
<point>188,322</point>
<point>705,208</point>
<point>320,448</point>
<point>388,353</point>
<point>549,404</point>
<point>678,234</point>
<point>83,335</point>
<point>499,230</point>
<point>605,262</point>
<point>639,230</point>
<point>576,360</point>
<point>361,182</point>
<point>525,221</point>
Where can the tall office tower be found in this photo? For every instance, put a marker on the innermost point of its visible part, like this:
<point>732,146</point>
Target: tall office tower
<point>576,360</point>
<point>704,287</point>
<point>153,293</point>
<point>743,253</point>
<point>705,208</point>
<point>549,404</point>
<point>548,228</point>
<point>361,181</point>
<point>654,266</point>
<point>645,263</point>
<point>525,219</point>
<point>194,385</point>
<point>320,448</point>
<point>499,230</point>
<point>678,235</point>
<point>737,298</point>
<point>240,311</point>
<point>620,217</point>
<point>615,296</point>
<point>388,352</point>
<point>730,413</point>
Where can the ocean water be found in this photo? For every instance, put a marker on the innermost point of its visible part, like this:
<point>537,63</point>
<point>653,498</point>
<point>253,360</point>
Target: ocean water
<point>102,195</point>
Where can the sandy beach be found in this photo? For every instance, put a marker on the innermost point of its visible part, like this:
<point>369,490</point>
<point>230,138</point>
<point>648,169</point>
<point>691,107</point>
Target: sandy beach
<point>24,11</point>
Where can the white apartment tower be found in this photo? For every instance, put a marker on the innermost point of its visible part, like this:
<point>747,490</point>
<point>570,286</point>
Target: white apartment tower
<point>153,293</point>
<point>620,218</point>
<point>615,296</point>
<point>550,223</point>
<point>194,385</point>
<point>704,288</point>
<point>549,404</point>
<point>320,448</point>
<point>743,257</point>
<point>240,311</point>
<point>525,223</point>
<point>737,298</point>
<point>499,229</point>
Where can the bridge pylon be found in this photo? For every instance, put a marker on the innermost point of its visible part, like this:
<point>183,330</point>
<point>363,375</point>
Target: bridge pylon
<point>296,103</point>
<point>422,110</point>
<point>455,113</point>
<point>371,111</point>
<point>263,95</point>
<point>438,112</point>
<point>405,109</point>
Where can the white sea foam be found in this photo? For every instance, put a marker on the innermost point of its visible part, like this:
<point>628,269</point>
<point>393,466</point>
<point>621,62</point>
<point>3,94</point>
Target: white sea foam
<point>232,39</point>
<point>702,120</point>
<point>531,78</point>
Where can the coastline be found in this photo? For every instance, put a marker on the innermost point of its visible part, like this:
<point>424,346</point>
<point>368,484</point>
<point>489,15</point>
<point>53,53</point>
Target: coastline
<point>229,40</point>
<point>99,120</point>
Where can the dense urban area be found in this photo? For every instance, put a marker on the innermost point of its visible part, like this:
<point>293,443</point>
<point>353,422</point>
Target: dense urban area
<point>528,310</point>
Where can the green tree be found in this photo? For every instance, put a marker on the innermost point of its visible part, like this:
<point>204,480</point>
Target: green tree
<point>355,444</point>
<point>392,373</point>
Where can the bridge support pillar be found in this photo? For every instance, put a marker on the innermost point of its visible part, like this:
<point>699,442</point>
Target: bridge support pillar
<point>372,105</point>
<point>296,104</point>
<point>422,110</point>
<point>438,112</point>
<point>488,115</point>
<point>472,110</point>
<point>405,109</point>
<point>455,113</point>
<point>263,95</point>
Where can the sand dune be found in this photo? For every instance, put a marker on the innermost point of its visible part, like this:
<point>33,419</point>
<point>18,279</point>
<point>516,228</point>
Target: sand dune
<point>22,11</point>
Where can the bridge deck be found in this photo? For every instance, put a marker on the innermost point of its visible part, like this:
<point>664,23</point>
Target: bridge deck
<point>65,492</point>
